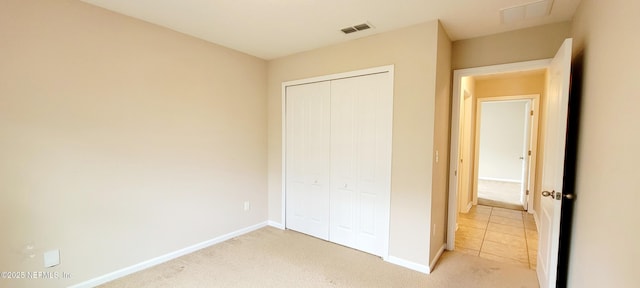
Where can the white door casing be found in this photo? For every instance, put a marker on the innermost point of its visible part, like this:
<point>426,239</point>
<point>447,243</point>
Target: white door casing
<point>525,153</point>
<point>501,139</point>
<point>553,165</point>
<point>518,147</point>
<point>464,174</point>
<point>455,142</point>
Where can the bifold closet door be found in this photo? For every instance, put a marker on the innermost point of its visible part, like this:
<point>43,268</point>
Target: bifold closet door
<point>361,119</point>
<point>307,158</point>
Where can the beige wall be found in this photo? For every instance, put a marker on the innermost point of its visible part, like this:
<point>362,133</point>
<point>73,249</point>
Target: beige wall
<point>605,236</point>
<point>441,144</point>
<point>513,84</point>
<point>523,83</point>
<point>516,46</point>
<point>121,141</point>
<point>413,52</point>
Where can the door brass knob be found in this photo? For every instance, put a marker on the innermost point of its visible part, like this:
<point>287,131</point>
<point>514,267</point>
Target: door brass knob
<point>548,194</point>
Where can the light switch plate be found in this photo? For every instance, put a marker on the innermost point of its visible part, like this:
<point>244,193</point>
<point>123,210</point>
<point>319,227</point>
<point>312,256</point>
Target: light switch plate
<point>51,258</point>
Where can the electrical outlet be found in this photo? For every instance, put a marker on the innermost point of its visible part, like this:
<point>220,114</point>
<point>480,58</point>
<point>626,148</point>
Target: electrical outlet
<point>247,205</point>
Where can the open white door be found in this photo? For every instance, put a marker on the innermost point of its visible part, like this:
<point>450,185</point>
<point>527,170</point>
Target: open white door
<point>526,156</point>
<point>553,165</point>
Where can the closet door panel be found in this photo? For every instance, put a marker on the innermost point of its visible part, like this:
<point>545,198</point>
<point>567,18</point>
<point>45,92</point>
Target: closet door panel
<point>344,190</point>
<point>360,161</point>
<point>343,169</point>
<point>370,206</point>
<point>307,158</point>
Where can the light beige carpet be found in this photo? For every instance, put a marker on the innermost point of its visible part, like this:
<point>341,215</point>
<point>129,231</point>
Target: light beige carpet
<point>274,258</point>
<point>500,194</point>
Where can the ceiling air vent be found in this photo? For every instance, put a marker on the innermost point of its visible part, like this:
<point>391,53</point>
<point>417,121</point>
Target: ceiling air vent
<point>355,28</point>
<point>537,9</point>
<point>349,30</point>
<point>363,26</point>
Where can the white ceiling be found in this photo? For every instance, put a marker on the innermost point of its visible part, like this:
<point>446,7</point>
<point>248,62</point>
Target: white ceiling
<point>274,28</point>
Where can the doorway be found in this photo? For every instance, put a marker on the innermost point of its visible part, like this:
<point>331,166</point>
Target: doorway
<point>548,213</point>
<point>504,145</point>
<point>476,91</point>
<point>479,225</point>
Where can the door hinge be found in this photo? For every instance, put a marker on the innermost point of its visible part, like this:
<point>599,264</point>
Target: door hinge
<point>529,153</point>
<point>531,112</point>
<point>527,192</point>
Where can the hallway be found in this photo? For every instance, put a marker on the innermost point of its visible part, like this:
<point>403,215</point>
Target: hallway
<point>498,234</point>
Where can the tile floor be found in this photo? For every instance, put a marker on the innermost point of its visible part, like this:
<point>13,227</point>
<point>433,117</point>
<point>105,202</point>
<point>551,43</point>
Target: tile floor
<point>499,234</point>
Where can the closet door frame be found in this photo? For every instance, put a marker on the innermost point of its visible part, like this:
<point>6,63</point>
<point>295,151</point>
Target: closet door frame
<point>364,72</point>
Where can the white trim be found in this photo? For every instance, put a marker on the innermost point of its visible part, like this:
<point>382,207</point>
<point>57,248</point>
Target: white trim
<point>467,209</point>
<point>455,117</point>
<point>533,160</point>
<point>476,150</point>
<point>435,259</point>
<point>166,257</point>
<point>533,143</point>
<point>537,219</point>
<point>363,72</point>
<point>499,180</point>
<point>409,264</point>
<point>502,68</point>
<point>387,223</point>
<point>349,74</point>
<point>283,153</point>
<point>275,224</point>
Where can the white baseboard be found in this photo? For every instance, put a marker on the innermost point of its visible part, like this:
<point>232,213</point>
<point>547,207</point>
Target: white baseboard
<point>468,208</point>
<point>164,258</point>
<point>276,224</point>
<point>500,180</point>
<point>435,259</point>
<point>537,219</point>
<point>408,264</point>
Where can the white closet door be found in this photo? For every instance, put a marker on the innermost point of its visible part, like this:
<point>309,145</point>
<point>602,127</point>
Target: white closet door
<point>307,158</point>
<point>361,118</point>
